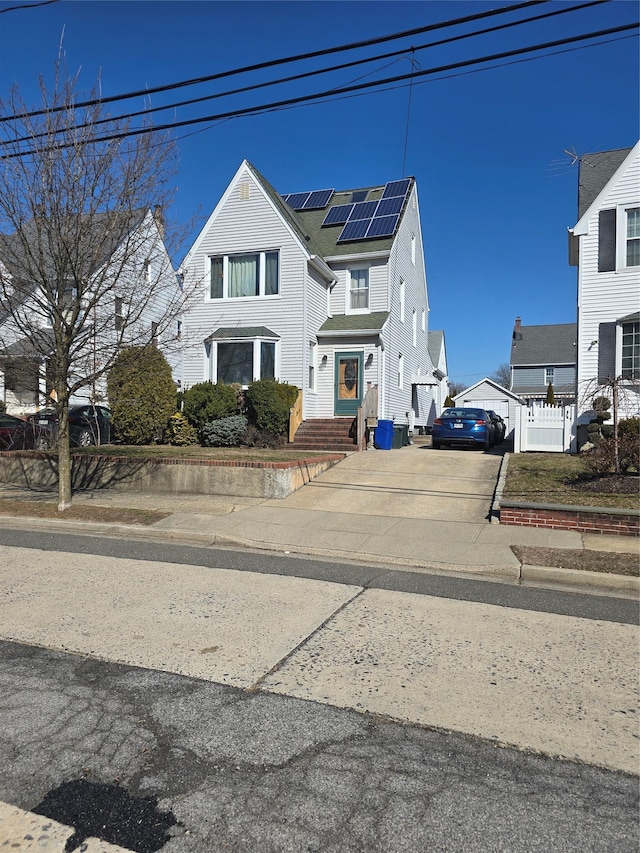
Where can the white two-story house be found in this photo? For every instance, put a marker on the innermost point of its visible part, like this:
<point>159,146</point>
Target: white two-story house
<point>325,290</point>
<point>605,247</point>
<point>112,278</point>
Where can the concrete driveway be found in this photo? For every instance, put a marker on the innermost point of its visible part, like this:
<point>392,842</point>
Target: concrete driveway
<point>413,482</point>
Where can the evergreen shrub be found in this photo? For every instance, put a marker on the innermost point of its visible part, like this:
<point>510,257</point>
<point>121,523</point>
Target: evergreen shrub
<point>208,401</point>
<point>142,395</point>
<point>223,432</point>
<point>180,433</point>
<point>268,402</point>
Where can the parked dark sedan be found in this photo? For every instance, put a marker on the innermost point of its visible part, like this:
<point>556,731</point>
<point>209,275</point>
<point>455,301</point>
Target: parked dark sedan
<point>499,424</point>
<point>16,434</point>
<point>87,424</point>
<point>465,427</point>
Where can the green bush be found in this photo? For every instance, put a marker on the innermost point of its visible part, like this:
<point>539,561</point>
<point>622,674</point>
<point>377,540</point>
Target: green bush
<point>628,452</point>
<point>268,402</point>
<point>224,432</point>
<point>207,401</point>
<point>180,433</point>
<point>601,406</point>
<point>600,459</point>
<point>629,426</point>
<point>142,395</point>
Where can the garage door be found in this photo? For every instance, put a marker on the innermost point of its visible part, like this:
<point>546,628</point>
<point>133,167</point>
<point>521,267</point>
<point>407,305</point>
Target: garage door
<point>501,407</point>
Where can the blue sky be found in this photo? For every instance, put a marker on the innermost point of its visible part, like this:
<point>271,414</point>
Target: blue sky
<point>497,192</point>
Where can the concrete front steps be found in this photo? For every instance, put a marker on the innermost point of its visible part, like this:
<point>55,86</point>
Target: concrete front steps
<point>335,434</point>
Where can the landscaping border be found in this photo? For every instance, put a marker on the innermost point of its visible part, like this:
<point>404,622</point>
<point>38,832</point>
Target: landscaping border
<point>39,471</point>
<point>610,521</point>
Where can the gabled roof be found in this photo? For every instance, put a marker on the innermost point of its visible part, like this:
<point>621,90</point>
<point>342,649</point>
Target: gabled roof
<point>434,344</point>
<point>545,345</point>
<point>487,381</point>
<point>595,172</point>
<point>325,238</point>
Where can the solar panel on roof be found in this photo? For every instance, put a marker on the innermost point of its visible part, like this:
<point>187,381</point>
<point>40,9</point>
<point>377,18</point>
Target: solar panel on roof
<point>388,206</point>
<point>338,214</point>
<point>354,230</point>
<point>383,226</point>
<point>285,197</point>
<point>318,199</point>
<point>297,200</point>
<point>359,195</point>
<point>363,210</point>
<point>396,188</point>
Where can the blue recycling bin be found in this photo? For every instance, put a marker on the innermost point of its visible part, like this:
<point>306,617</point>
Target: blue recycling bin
<point>383,438</point>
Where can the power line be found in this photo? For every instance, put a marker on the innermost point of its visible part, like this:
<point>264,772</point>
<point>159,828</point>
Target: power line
<point>27,6</point>
<point>284,60</point>
<point>316,72</point>
<point>257,110</point>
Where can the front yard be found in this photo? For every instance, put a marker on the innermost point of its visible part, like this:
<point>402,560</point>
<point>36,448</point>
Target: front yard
<point>558,478</point>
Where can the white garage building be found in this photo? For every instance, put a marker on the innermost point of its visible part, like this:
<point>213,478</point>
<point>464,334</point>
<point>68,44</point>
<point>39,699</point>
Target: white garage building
<point>487,394</point>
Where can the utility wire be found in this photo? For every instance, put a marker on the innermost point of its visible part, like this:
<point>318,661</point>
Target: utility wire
<point>27,6</point>
<point>284,60</point>
<point>256,110</point>
<point>396,53</point>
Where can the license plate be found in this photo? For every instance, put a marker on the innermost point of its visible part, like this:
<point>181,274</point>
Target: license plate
<point>458,426</point>
<point>43,423</point>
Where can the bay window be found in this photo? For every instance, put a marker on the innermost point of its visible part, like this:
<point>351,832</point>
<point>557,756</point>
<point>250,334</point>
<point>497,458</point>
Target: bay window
<point>234,357</point>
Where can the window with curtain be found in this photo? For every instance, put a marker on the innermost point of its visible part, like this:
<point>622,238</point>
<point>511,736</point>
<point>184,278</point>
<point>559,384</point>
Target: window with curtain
<point>244,361</point>
<point>244,276</point>
<point>359,290</point>
<point>267,360</point>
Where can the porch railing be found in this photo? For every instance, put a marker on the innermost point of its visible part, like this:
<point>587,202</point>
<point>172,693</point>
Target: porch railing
<point>368,409</point>
<point>295,416</point>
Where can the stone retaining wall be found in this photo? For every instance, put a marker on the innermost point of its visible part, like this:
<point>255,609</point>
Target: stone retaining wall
<point>613,522</point>
<point>179,476</point>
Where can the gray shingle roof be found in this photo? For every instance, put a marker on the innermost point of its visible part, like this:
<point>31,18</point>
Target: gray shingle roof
<point>357,323</point>
<point>243,332</point>
<point>554,344</point>
<point>595,172</point>
<point>323,241</point>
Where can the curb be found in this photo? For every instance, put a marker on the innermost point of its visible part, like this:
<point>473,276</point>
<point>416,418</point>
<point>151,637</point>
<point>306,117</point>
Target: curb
<point>587,581</point>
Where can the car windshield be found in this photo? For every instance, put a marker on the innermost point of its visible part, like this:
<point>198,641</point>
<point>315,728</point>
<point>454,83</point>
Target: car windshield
<point>463,413</point>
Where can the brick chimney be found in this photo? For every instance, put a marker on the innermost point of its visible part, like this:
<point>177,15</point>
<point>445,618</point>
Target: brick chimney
<point>517,330</point>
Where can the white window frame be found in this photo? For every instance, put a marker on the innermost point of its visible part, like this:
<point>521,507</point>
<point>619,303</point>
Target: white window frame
<point>358,269</point>
<point>414,327</point>
<point>423,322</point>
<point>549,375</point>
<point>622,238</point>
<point>619,326</point>
<point>402,299</point>
<point>211,356</point>
<point>400,371</point>
<point>413,249</point>
<point>262,256</point>
<point>312,380</point>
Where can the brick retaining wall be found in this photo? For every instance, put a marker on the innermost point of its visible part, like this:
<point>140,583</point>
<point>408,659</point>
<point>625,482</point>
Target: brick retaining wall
<point>613,522</point>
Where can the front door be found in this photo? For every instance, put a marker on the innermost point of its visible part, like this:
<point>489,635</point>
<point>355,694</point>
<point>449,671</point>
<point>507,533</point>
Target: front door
<point>347,383</point>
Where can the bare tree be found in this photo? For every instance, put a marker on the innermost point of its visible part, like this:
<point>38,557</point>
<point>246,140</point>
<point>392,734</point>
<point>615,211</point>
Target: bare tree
<point>621,395</point>
<point>502,375</point>
<point>84,265</point>
<point>456,388</point>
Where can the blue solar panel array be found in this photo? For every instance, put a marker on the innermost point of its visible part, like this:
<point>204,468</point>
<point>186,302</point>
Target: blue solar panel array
<point>364,220</point>
<point>315,200</point>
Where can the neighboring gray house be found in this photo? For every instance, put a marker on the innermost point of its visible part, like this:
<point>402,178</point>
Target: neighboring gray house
<point>487,394</point>
<point>438,353</point>
<point>604,245</point>
<point>325,290</point>
<point>543,355</point>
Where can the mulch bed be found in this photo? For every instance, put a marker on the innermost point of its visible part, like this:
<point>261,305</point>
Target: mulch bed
<point>582,560</point>
<point>608,484</point>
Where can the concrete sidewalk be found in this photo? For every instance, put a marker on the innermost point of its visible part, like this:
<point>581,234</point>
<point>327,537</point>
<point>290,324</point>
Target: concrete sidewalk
<point>412,508</point>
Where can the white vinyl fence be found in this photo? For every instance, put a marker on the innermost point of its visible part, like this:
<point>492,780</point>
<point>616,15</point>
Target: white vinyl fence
<point>545,428</point>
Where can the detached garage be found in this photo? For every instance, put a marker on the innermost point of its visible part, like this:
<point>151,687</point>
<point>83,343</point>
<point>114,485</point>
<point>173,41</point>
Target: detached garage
<point>487,394</point>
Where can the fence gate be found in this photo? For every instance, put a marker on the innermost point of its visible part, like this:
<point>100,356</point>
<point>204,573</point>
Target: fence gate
<point>545,428</point>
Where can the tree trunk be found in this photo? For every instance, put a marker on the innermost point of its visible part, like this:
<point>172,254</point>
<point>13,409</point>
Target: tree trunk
<point>64,452</point>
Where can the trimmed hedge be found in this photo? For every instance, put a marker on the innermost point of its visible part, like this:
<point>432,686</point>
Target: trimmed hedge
<point>268,402</point>
<point>208,401</point>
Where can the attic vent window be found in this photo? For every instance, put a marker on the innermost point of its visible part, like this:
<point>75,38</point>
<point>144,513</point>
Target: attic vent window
<point>245,191</point>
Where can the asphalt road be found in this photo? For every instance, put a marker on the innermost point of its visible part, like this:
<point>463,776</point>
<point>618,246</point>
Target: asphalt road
<point>152,759</point>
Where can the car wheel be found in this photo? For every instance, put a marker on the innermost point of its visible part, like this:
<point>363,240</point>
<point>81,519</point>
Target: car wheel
<point>487,445</point>
<point>85,439</point>
<point>436,445</point>
<point>41,443</point>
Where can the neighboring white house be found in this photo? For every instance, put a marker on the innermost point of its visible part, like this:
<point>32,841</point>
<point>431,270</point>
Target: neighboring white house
<point>605,247</point>
<point>438,353</point>
<point>325,290</point>
<point>487,394</point>
<point>543,356</point>
<point>138,287</point>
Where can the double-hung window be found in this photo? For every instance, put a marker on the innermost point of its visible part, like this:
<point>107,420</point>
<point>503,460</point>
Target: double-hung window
<point>631,350</point>
<point>548,375</point>
<point>632,237</point>
<point>358,299</point>
<point>244,276</point>
<point>241,360</point>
